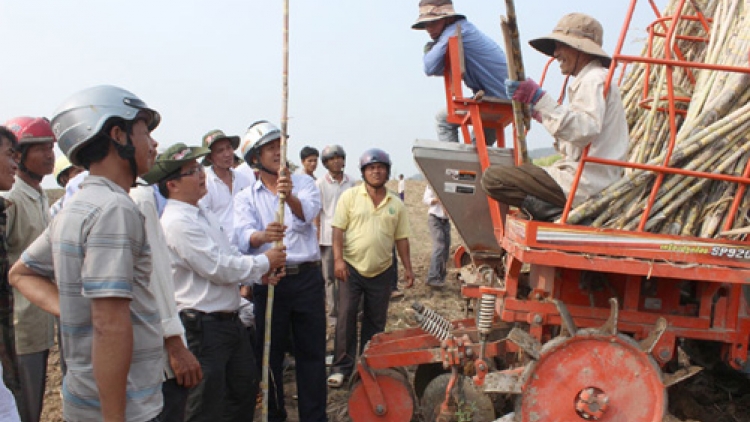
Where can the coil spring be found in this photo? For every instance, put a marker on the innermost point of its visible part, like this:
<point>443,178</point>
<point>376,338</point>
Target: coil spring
<point>432,322</point>
<point>486,313</point>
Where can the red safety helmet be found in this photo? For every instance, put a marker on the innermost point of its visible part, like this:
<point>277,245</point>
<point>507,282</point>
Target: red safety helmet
<point>31,130</point>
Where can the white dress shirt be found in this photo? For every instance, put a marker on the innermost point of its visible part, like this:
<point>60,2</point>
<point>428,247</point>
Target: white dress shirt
<point>206,268</point>
<point>161,285</point>
<point>435,209</point>
<point>219,198</point>
<point>70,189</point>
<point>330,191</point>
<point>247,171</point>
<point>255,208</point>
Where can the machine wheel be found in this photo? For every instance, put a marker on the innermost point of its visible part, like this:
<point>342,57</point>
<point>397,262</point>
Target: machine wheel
<point>592,376</point>
<point>425,373</point>
<point>471,405</point>
<point>397,393</point>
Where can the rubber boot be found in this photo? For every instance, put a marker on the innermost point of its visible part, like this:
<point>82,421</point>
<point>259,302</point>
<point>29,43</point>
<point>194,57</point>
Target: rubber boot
<point>540,209</point>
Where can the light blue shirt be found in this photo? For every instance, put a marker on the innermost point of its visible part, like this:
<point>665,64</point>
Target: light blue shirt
<point>255,208</point>
<point>485,62</point>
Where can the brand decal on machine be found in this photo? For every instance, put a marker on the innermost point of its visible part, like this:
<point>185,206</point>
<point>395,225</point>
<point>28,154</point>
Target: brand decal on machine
<point>460,188</point>
<point>735,253</point>
<point>461,175</point>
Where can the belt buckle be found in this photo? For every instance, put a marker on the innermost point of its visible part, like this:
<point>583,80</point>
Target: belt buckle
<point>292,269</point>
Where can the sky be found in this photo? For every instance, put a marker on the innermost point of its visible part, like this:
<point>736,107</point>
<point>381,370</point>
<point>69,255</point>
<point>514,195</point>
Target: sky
<point>355,73</point>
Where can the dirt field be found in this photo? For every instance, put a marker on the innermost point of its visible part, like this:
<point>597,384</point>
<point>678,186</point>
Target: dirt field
<point>713,396</point>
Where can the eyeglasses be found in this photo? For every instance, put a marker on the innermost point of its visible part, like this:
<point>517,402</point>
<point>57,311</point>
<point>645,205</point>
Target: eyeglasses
<point>194,170</point>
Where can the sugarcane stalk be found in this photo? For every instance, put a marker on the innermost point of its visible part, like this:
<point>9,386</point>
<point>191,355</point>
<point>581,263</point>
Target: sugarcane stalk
<point>266,367</point>
<point>521,113</point>
<point>693,144</point>
<point>690,187</point>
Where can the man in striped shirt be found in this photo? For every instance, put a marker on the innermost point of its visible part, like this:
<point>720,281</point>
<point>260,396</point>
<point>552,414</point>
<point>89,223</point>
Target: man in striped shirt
<point>97,252</point>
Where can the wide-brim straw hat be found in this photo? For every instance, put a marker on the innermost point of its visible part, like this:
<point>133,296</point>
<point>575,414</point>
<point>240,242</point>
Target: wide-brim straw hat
<point>579,31</point>
<point>433,10</point>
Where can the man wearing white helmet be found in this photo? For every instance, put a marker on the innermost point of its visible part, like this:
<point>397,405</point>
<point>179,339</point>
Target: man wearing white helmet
<point>300,295</point>
<point>27,218</point>
<point>97,252</point>
<point>331,186</point>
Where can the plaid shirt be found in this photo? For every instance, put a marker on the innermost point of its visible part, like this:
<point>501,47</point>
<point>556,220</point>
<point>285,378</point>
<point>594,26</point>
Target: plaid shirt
<point>7,338</point>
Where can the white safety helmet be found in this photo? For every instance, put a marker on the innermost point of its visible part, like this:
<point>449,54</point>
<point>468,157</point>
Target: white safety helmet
<point>258,134</point>
<point>83,115</point>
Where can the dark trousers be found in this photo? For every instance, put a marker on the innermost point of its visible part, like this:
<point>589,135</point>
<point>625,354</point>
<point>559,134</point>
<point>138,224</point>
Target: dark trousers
<point>394,280</point>
<point>175,401</point>
<point>440,230</point>
<point>511,184</point>
<point>374,293</point>
<point>299,303</point>
<point>229,386</point>
<point>32,369</point>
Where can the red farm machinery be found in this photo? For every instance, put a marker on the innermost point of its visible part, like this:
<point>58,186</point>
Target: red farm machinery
<point>571,322</point>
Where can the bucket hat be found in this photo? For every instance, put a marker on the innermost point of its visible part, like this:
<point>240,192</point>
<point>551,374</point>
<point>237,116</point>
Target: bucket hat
<point>172,160</point>
<point>215,136</point>
<point>578,31</point>
<point>433,10</point>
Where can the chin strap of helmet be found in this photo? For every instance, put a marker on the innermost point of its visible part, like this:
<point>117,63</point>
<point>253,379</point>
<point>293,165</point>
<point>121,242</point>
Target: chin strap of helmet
<point>22,164</point>
<point>127,151</point>
<point>261,167</point>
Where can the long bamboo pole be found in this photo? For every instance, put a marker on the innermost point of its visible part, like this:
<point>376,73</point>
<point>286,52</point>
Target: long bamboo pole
<point>516,71</point>
<point>266,367</point>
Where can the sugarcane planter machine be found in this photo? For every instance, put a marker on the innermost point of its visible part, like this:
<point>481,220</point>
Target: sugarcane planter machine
<point>571,322</point>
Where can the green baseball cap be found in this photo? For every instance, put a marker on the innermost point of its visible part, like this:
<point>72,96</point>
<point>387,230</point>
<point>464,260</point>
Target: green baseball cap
<point>172,160</point>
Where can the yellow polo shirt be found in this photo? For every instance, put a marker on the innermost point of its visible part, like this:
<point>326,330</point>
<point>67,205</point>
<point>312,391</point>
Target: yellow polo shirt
<point>370,232</point>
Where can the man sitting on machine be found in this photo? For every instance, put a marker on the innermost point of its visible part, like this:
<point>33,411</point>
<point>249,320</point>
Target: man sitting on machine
<point>590,119</point>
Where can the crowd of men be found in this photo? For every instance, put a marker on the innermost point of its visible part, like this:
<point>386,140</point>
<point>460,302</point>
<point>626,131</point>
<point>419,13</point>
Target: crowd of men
<point>156,269</point>
<point>158,266</point>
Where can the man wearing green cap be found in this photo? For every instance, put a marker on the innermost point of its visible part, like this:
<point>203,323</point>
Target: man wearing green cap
<point>207,270</point>
<point>222,181</point>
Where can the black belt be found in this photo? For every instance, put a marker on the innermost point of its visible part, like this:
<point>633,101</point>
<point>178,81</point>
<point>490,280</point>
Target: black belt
<point>294,269</point>
<point>211,316</point>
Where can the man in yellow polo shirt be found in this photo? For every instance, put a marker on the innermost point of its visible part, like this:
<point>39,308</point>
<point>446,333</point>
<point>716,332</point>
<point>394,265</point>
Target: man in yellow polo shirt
<point>368,221</point>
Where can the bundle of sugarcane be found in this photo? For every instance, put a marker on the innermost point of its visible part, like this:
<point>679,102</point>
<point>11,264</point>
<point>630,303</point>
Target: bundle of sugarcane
<point>712,135</point>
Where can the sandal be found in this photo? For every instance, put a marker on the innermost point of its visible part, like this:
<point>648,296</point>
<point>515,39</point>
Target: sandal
<point>336,380</point>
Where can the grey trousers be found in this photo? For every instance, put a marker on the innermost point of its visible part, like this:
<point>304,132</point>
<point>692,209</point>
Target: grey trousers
<point>511,184</point>
<point>332,284</point>
<point>448,132</point>
<point>32,369</point>
<point>440,230</point>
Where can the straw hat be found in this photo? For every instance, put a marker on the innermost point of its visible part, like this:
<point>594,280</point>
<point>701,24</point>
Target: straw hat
<point>579,31</point>
<point>433,10</point>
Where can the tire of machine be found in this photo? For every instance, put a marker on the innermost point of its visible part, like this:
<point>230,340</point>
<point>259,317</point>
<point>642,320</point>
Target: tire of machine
<point>399,397</point>
<point>424,374</point>
<point>477,402</point>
